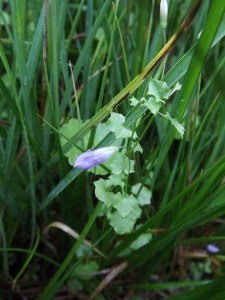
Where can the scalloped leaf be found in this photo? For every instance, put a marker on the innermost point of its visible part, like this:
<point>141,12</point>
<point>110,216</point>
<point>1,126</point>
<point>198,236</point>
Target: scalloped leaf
<point>125,205</point>
<point>116,124</point>
<point>83,269</point>
<point>137,148</point>
<point>142,240</point>
<point>102,193</point>
<point>133,101</point>
<point>152,104</point>
<point>69,130</point>
<point>122,225</point>
<point>117,180</point>
<point>121,164</point>
<point>159,90</point>
<point>180,129</point>
<point>175,88</point>
<point>144,197</point>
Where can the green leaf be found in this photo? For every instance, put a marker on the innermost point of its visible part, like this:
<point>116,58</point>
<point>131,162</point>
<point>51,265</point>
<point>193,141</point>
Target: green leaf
<point>102,193</point>
<point>117,180</point>
<point>125,252</point>
<point>159,90</point>
<point>136,148</point>
<point>84,269</point>
<point>122,164</point>
<point>180,129</point>
<point>142,240</point>
<point>74,285</point>
<point>68,130</point>
<point>144,197</point>
<point>175,88</point>
<point>125,205</point>
<point>105,211</point>
<point>136,213</point>
<point>115,124</point>
<point>122,225</point>
<point>102,131</point>
<point>133,101</point>
<point>152,104</point>
<point>220,257</point>
<point>208,267</point>
<point>82,250</point>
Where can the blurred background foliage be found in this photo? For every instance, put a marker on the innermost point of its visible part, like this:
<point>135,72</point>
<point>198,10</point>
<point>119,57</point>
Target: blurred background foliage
<point>37,185</point>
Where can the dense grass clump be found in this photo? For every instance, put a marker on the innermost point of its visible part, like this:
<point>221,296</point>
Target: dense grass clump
<point>140,215</point>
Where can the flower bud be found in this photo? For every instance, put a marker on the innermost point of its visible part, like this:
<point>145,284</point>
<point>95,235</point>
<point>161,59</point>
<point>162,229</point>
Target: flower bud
<point>92,158</point>
<point>163,13</point>
<point>212,249</point>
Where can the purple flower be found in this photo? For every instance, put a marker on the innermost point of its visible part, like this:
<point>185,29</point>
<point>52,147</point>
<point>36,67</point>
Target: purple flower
<point>92,158</point>
<point>212,249</point>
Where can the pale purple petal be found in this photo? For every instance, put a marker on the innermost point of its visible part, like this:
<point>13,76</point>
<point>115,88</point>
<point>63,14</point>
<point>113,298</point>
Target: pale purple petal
<point>212,249</point>
<point>92,158</point>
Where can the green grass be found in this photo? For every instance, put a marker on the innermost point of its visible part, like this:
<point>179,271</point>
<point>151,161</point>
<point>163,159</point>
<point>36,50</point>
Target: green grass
<point>108,46</point>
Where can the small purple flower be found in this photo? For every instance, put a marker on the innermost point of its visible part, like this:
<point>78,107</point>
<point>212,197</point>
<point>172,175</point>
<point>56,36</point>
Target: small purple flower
<point>92,158</point>
<point>212,249</point>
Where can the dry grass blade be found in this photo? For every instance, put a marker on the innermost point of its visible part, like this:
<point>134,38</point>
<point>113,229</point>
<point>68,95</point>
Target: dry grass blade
<point>71,232</point>
<point>115,271</point>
